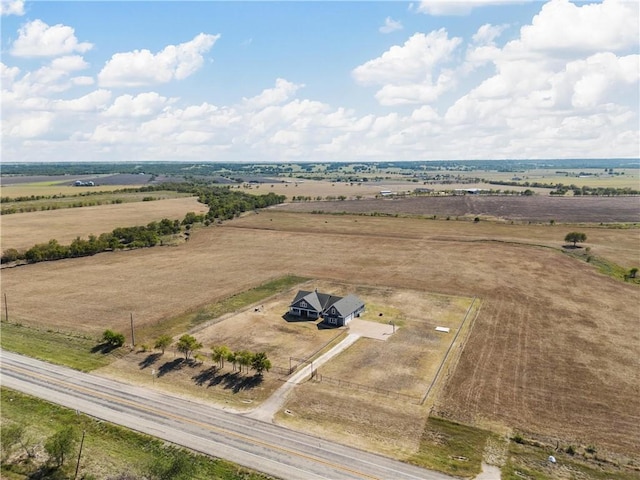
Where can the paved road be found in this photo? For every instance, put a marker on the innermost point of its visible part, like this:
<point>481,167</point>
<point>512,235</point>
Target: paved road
<point>258,445</point>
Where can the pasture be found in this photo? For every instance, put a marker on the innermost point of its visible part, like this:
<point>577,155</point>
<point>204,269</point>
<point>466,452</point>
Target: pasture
<point>24,230</point>
<point>553,350</point>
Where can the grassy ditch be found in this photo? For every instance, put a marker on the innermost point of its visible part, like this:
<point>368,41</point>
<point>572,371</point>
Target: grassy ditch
<point>603,265</point>
<point>451,448</point>
<point>108,450</point>
<point>529,460</point>
<point>74,351</point>
<point>188,321</point>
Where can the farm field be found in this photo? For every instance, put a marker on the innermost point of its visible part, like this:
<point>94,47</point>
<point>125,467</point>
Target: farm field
<point>552,352</point>
<point>23,230</point>
<point>505,208</point>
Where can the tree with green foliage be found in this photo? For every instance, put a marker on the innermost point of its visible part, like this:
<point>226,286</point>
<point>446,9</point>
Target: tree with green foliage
<point>188,344</point>
<point>633,272</point>
<point>13,435</point>
<point>575,237</point>
<point>176,464</point>
<point>244,358</point>
<point>233,359</point>
<point>61,445</point>
<point>112,338</point>
<point>162,342</point>
<point>220,353</point>
<point>260,363</point>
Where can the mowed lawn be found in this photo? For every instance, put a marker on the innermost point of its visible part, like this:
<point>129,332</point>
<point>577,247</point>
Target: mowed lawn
<point>553,349</point>
<point>24,230</point>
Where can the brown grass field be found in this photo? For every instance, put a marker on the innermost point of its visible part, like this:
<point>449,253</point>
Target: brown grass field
<point>553,351</point>
<point>24,230</point>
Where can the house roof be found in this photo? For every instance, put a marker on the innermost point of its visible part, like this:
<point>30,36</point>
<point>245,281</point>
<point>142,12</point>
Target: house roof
<point>321,302</point>
<point>347,305</point>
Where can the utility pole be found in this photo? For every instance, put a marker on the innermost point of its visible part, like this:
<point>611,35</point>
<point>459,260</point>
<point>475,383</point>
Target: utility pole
<point>6,308</point>
<point>79,455</point>
<point>133,338</point>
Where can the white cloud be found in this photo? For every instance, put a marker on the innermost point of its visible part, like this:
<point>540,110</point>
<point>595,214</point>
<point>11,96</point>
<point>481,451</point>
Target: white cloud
<point>31,126</point>
<point>457,7</point>
<point>406,72</point>
<point>37,39</point>
<point>12,7</point>
<point>141,67</point>
<point>8,75</point>
<point>487,33</point>
<point>96,100</point>
<point>142,105</point>
<point>69,63</point>
<point>390,25</point>
<point>561,25</point>
<point>282,92</point>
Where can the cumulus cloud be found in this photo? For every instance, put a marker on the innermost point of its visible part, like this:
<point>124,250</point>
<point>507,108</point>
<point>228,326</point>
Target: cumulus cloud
<point>561,25</point>
<point>142,67</point>
<point>12,7</point>
<point>456,7</point>
<point>282,92</point>
<point>142,105</point>
<point>407,72</point>
<point>390,25</point>
<point>37,39</point>
<point>94,101</point>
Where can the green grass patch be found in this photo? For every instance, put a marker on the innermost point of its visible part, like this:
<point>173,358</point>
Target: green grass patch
<point>61,348</point>
<point>179,324</point>
<point>605,266</point>
<point>451,448</point>
<point>529,461</point>
<point>108,450</point>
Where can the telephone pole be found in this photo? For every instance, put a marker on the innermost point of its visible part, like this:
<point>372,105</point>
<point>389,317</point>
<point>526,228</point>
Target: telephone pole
<point>133,338</point>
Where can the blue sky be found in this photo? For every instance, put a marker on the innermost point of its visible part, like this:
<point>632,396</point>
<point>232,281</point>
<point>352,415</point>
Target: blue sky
<point>319,81</point>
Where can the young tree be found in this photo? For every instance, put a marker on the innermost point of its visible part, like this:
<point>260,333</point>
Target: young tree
<point>633,272</point>
<point>233,358</point>
<point>261,363</point>
<point>219,354</point>
<point>61,444</point>
<point>113,338</point>
<point>187,345</point>
<point>12,435</point>
<point>162,342</point>
<point>244,358</point>
<point>575,237</point>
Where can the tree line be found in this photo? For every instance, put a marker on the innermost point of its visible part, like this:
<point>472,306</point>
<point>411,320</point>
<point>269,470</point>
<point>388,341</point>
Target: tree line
<point>224,204</point>
<point>241,359</point>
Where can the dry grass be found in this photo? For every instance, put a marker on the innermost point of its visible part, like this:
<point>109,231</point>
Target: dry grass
<point>24,230</point>
<point>553,350</point>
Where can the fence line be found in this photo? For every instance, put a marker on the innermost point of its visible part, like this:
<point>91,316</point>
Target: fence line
<point>357,386</point>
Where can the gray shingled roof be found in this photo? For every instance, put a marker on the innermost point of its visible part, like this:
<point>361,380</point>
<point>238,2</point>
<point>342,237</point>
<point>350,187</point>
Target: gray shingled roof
<point>347,305</point>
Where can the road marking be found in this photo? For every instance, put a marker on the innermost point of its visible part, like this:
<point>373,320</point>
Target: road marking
<point>165,414</point>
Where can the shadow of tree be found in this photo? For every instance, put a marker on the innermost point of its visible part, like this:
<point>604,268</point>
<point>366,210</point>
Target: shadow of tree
<point>103,348</point>
<point>206,375</point>
<point>167,367</point>
<point>230,381</point>
<point>150,360</point>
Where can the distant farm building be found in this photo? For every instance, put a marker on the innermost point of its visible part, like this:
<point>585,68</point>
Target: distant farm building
<point>334,310</point>
<point>80,183</point>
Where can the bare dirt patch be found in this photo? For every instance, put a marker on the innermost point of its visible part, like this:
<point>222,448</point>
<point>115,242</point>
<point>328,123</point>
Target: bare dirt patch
<point>24,230</point>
